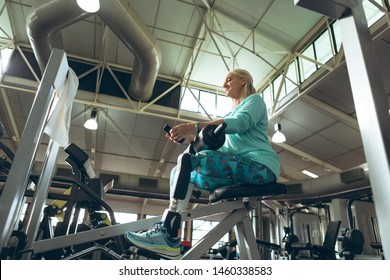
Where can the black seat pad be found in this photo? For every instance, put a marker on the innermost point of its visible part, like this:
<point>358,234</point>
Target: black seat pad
<point>247,190</point>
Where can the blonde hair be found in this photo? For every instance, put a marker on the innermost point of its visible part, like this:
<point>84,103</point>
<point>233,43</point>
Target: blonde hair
<point>249,88</point>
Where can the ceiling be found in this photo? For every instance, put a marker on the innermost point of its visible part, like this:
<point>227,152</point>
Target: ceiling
<point>199,42</point>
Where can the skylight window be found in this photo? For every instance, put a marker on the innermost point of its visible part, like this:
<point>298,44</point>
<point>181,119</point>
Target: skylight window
<point>189,101</point>
<point>319,52</point>
<point>224,105</point>
<point>5,56</point>
<point>372,11</point>
<point>207,99</point>
<point>212,103</point>
<point>323,48</point>
<point>308,67</point>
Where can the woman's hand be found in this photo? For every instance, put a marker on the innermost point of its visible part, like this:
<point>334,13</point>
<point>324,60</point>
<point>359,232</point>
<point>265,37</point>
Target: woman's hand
<point>182,131</point>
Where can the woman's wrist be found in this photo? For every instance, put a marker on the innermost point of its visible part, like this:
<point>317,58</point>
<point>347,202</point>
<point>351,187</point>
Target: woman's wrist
<point>196,129</point>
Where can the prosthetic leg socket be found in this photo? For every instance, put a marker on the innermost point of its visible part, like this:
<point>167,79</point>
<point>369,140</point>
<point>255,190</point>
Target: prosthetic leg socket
<point>172,222</point>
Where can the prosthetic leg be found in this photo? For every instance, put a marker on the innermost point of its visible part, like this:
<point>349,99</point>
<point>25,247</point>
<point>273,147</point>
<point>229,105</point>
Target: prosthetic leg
<point>181,195</point>
<point>210,137</point>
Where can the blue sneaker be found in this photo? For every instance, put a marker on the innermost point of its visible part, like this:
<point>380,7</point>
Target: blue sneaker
<point>157,240</point>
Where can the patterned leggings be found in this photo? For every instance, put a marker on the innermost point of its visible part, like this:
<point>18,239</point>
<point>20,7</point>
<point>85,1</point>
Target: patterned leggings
<point>214,169</point>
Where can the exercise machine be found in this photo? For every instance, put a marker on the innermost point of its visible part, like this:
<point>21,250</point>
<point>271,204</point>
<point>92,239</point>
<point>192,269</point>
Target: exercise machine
<point>58,83</point>
<point>234,202</point>
<point>361,239</point>
<point>85,193</point>
<point>325,251</point>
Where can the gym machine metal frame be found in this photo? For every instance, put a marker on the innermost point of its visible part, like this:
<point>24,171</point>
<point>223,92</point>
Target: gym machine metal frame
<point>368,90</point>
<point>236,213</point>
<point>237,216</point>
<point>12,197</point>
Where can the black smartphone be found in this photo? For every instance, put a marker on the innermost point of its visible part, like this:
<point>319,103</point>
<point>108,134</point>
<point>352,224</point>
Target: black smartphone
<point>167,128</point>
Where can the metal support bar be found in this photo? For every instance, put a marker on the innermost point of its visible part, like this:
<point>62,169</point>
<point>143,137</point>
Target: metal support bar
<point>15,186</point>
<point>41,193</point>
<point>216,234</point>
<point>372,107</point>
<point>91,235</point>
<point>246,240</point>
<point>14,132</point>
<point>115,230</point>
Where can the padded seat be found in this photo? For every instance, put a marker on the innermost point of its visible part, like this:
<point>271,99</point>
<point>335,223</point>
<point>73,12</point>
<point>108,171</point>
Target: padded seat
<point>247,190</point>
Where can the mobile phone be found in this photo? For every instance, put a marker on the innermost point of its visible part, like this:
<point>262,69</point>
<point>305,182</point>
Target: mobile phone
<point>167,128</point>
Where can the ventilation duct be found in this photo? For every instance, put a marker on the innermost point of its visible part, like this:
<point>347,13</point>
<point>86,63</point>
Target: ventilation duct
<point>47,19</point>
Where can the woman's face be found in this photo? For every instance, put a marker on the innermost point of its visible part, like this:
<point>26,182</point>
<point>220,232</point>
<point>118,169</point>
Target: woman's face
<point>234,85</point>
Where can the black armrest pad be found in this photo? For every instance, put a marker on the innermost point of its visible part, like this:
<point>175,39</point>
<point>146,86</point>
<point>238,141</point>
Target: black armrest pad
<point>80,158</point>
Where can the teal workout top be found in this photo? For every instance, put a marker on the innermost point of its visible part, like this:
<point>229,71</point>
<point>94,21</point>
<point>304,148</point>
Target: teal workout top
<point>246,133</point>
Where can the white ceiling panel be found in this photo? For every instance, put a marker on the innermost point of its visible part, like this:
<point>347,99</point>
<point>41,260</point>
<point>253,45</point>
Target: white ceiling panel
<point>113,144</point>
<point>343,135</point>
<point>348,160</point>
<point>245,12</point>
<point>123,56</point>
<point>177,54</point>
<point>281,17</point>
<point>321,147</point>
<point>175,16</point>
<point>293,131</point>
<point>294,161</point>
<point>77,135</point>
<point>172,157</point>
<point>6,29</point>
<point>18,20</point>
<point>214,73</point>
<point>126,165</point>
<point>143,147</point>
<point>167,170</point>
<point>307,117</point>
<point>86,32</point>
<point>149,127</point>
<point>119,120</point>
<point>336,93</point>
<point>108,47</point>
<point>147,10</point>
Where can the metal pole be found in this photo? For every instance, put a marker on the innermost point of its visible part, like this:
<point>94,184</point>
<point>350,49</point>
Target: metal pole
<point>15,186</point>
<point>41,193</point>
<point>371,104</point>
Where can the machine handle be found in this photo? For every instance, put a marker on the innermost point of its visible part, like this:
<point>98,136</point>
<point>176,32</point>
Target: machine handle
<point>220,129</point>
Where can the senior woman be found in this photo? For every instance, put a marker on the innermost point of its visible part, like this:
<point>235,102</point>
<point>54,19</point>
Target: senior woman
<point>245,157</point>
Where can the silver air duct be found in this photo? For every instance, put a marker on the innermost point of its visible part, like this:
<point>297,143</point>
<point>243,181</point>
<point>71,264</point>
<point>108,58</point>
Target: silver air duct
<point>48,18</point>
<point>44,25</point>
